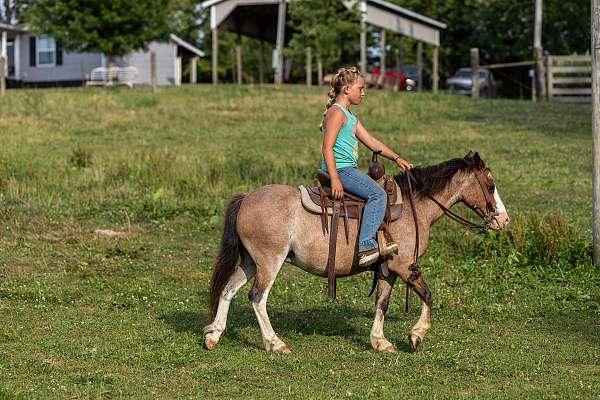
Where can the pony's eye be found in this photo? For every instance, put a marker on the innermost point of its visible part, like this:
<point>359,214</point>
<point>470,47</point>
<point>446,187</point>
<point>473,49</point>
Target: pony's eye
<point>491,188</point>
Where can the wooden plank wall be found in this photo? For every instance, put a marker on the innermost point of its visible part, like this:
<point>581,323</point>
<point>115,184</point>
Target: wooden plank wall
<point>569,79</point>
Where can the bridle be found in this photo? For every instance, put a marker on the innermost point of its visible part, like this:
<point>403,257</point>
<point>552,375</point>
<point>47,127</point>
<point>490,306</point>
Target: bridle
<point>488,217</point>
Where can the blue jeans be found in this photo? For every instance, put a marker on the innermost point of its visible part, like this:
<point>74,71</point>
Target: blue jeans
<point>362,185</point>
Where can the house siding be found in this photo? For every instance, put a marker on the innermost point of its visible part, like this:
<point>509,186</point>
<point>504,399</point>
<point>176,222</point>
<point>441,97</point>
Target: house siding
<point>71,69</point>
<point>165,63</point>
<point>78,66</point>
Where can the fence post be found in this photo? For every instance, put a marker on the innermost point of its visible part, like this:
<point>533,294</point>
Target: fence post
<point>2,80</point>
<point>549,78</point>
<point>153,70</point>
<point>475,72</point>
<point>435,75</point>
<point>238,58</point>
<point>308,66</point>
<point>194,70</point>
<point>595,130</point>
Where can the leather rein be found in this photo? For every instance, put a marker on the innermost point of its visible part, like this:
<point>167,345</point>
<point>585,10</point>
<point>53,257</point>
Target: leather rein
<point>415,271</point>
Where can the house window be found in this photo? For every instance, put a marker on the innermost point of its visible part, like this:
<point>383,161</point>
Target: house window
<point>46,50</point>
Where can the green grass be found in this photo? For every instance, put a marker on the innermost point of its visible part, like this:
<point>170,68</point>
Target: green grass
<point>516,315</point>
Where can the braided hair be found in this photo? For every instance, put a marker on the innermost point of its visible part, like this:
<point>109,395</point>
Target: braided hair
<point>343,77</point>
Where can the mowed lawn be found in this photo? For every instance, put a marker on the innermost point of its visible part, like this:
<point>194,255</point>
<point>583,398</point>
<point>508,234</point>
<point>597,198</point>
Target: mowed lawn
<point>83,316</point>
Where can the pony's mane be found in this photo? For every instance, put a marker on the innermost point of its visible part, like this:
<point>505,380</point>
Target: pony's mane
<point>432,179</point>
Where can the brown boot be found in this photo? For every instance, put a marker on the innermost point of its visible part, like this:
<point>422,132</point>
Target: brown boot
<point>368,257</point>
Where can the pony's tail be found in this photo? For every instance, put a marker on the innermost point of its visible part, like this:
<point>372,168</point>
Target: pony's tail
<point>228,255</point>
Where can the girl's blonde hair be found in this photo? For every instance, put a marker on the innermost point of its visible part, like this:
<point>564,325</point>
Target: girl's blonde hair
<point>343,77</point>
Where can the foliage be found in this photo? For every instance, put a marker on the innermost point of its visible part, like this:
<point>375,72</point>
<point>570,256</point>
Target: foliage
<point>503,29</point>
<point>11,10</point>
<point>326,26</point>
<point>112,27</point>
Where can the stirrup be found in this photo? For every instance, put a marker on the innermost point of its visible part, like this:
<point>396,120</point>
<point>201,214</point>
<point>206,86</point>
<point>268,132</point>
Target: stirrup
<point>386,248</point>
<point>368,257</point>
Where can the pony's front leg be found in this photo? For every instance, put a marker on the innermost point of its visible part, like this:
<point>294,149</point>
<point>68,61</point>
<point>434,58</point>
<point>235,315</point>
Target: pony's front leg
<point>417,333</point>
<point>384,290</point>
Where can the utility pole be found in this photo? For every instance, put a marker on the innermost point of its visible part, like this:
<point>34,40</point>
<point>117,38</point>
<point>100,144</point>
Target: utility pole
<point>538,52</point>
<point>596,129</point>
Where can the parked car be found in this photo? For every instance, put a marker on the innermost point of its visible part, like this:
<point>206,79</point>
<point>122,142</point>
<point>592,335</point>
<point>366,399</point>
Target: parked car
<point>412,72</point>
<point>461,82</point>
<point>395,79</point>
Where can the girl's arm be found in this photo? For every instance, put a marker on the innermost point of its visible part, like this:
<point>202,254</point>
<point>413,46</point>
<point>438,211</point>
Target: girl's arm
<point>375,145</point>
<point>334,120</point>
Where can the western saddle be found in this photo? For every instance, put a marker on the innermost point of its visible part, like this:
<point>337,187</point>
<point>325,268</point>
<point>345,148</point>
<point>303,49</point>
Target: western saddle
<point>319,200</point>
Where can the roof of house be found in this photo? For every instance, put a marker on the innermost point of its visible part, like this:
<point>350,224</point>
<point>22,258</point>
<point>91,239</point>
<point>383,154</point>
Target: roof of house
<point>12,27</point>
<point>180,42</point>
<point>176,39</point>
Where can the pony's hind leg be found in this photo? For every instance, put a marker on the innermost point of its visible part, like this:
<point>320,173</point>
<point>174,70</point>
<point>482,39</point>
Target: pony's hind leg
<point>418,331</point>
<point>243,272</point>
<point>267,270</point>
<point>384,290</point>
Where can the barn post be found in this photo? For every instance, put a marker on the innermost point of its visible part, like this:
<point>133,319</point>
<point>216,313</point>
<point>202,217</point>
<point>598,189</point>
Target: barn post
<point>215,45</point>
<point>280,41</point>
<point>261,63</point>
<point>474,72</point>
<point>363,36</point>
<point>382,58</point>
<point>596,129</point>
<point>420,65</point>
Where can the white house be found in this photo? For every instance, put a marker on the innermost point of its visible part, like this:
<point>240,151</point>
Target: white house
<point>40,61</point>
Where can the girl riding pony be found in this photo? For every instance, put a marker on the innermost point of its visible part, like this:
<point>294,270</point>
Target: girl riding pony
<point>341,133</point>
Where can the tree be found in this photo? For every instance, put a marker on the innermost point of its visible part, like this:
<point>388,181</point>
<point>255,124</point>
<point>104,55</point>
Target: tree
<point>326,26</point>
<point>10,10</point>
<point>111,27</point>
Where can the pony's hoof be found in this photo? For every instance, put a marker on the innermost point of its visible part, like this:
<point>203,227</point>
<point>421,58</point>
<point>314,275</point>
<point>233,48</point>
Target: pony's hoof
<point>390,348</point>
<point>281,349</point>
<point>209,343</point>
<point>384,346</point>
<point>414,341</point>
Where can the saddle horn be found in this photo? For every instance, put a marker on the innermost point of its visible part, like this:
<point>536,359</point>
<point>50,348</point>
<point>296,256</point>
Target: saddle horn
<point>376,169</point>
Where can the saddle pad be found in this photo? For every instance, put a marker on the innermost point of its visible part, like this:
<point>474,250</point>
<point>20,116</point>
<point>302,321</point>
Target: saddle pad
<point>310,205</point>
<point>313,207</point>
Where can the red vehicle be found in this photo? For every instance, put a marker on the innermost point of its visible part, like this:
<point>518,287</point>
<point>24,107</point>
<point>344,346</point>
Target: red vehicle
<point>391,79</point>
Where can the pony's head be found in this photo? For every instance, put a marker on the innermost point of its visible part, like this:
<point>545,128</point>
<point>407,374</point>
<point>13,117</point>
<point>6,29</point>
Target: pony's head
<point>481,194</point>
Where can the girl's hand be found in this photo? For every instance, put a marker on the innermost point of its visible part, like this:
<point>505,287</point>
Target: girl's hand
<point>337,190</point>
<point>403,164</point>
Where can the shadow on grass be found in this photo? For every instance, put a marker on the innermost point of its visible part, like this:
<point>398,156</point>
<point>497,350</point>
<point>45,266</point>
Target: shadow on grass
<point>331,321</point>
<point>575,326</point>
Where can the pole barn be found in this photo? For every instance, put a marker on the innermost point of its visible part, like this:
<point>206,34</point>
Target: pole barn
<point>266,20</point>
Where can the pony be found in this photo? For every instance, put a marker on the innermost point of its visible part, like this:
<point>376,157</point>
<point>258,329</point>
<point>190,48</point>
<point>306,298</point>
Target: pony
<point>269,226</point>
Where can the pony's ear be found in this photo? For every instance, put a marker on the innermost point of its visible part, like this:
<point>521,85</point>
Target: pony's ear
<point>479,164</point>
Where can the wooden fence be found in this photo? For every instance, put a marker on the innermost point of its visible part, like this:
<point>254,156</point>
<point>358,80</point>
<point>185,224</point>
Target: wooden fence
<point>569,78</point>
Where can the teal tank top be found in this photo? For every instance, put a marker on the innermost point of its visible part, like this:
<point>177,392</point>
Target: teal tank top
<point>345,149</point>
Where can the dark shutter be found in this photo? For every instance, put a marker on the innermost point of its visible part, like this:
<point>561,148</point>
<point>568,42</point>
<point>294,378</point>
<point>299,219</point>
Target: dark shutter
<point>32,51</point>
<point>59,53</point>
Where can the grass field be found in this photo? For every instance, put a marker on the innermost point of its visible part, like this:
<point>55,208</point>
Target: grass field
<point>516,315</point>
